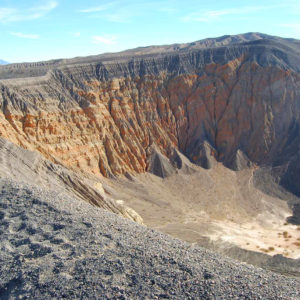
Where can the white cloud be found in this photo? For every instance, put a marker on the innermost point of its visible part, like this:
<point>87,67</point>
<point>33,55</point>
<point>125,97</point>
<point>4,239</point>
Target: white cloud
<point>118,17</point>
<point>113,12</point>
<point>107,40</point>
<point>32,13</point>
<point>44,8</point>
<point>77,34</point>
<point>25,36</point>
<point>97,8</point>
<point>211,15</point>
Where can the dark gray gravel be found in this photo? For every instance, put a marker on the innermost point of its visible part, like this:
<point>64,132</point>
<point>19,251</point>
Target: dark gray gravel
<point>54,247</point>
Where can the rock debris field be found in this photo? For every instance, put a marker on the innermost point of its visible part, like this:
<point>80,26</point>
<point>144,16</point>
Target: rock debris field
<point>55,247</point>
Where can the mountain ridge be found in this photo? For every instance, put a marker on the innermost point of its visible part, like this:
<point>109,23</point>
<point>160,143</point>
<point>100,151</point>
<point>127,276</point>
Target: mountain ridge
<point>15,70</point>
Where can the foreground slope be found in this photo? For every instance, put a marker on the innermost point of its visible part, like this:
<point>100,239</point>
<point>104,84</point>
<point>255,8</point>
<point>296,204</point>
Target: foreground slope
<point>53,246</point>
<point>30,167</point>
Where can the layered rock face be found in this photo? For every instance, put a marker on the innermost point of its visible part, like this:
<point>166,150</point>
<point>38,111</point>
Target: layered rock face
<point>236,104</point>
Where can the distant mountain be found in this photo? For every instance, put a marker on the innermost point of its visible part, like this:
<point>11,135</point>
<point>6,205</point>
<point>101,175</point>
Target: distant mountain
<point>3,62</point>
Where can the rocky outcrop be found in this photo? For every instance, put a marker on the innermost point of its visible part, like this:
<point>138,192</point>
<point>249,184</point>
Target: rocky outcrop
<point>236,103</point>
<point>162,166</point>
<point>240,161</point>
<point>159,164</point>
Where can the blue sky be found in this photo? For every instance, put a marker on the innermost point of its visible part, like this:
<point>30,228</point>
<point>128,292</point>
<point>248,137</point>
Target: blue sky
<point>34,30</point>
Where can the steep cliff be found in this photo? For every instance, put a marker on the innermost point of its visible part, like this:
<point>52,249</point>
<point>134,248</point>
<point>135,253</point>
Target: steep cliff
<point>233,99</point>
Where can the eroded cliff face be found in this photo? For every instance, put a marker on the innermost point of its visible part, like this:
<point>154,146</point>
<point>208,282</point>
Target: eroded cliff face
<point>103,119</point>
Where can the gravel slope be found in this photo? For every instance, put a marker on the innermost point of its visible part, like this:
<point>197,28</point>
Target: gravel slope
<point>54,247</point>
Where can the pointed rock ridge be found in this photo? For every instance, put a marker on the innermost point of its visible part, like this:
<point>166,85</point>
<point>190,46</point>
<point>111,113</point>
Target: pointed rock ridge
<point>162,166</point>
<point>203,154</point>
<point>240,161</point>
<point>181,162</point>
<point>158,164</point>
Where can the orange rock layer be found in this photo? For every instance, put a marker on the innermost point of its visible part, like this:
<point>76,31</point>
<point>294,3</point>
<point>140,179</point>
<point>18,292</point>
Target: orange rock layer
<point>109,126</point>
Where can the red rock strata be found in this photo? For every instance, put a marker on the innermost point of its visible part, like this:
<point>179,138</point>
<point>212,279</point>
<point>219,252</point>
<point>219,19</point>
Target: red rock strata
<point>106,126</point>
